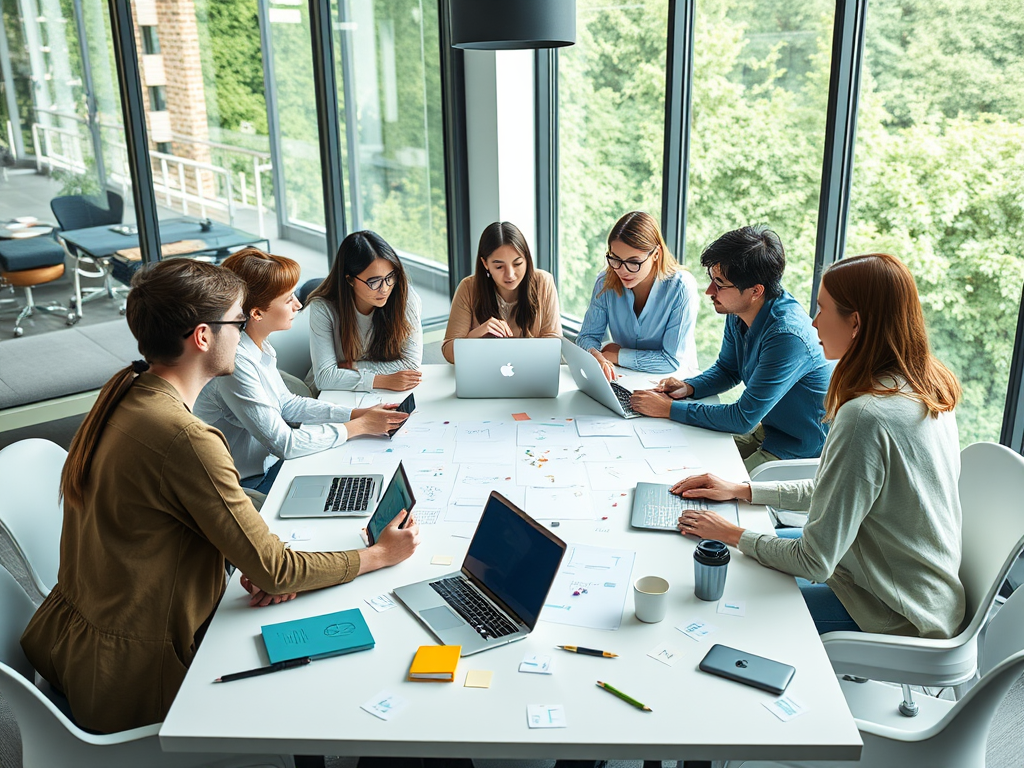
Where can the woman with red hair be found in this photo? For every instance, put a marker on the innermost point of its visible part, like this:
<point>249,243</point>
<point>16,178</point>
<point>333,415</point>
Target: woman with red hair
<point>882,538</point>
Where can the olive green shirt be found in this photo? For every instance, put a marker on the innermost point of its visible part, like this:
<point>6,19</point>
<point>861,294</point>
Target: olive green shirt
<point>142,564</point>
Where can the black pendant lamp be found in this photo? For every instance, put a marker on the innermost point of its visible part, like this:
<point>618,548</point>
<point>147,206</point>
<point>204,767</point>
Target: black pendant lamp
<point>503,25</point>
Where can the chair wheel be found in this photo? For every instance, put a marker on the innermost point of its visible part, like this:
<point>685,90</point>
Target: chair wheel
<point>72,318</point>
<point>19,331</point>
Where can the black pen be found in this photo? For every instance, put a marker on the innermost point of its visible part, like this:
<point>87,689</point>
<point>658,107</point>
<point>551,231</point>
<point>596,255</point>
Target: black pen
<point>588,651</point>
<point>265,670</point>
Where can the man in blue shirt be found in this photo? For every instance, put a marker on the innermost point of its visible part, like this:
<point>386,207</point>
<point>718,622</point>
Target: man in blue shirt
<point>768,344</point>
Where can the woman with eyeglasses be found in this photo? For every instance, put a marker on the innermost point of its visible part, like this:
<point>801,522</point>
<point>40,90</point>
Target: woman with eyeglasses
<point>880,551</point>
<point>253,407</point>
<point>364,320</point>
<point>645,299</point>
<point>506,297</point>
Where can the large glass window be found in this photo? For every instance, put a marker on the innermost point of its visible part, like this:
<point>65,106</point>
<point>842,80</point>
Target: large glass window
<point>60,136</point>
<point>760,92</point>
<point>611,124</point>
<point>389,73</point>
<point>938,179</point>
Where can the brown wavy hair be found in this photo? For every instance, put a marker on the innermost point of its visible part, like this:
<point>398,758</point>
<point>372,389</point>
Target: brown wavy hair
<point>390,327</point>
<point>167,300</point>
<point>892,340</point>
<point>266,276</point>
<point>485,295</point>
<point>639,230</point>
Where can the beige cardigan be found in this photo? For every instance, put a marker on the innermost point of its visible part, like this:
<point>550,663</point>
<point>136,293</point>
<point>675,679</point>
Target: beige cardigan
<point>548,323</point>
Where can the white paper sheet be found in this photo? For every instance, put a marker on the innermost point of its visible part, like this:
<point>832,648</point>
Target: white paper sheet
<point>675,464</point>
<point>490,453</point>
<point>547,432</point>
<point>618,475</point>
<point>536,467</point>
<point>659,433</point>
<point>590,588</point>
<point>559,503</point>
<point>603,426</point>
<point>434,433</point>
<point>485,432</point>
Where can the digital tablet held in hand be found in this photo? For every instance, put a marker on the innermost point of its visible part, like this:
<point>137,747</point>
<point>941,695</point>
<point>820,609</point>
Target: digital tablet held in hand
<point>406,406</point>
<point>397,497</point>
<point>747,668</point>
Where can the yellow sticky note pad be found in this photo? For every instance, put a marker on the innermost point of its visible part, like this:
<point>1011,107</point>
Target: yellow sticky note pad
<point>478,678</point>
<point>441,560</point>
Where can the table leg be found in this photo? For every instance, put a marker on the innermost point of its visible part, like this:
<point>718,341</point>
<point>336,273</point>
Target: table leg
<point>310,761</point>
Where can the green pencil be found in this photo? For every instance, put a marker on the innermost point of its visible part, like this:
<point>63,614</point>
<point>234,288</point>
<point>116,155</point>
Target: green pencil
<point>624,697</point>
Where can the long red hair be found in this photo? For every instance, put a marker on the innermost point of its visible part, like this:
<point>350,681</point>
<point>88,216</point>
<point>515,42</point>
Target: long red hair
<point>891,342</point>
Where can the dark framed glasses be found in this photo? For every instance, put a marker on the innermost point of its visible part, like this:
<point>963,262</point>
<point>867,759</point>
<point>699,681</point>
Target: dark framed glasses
<point>240,323</point>
<point>377,283</point>
<point>631,265</point>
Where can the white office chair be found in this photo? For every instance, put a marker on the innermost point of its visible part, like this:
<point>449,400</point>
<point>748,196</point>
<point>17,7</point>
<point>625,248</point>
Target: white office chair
<point>50,740</point>
<point>29,505</point>
<point>947,734</point>
<point>991,488</point>
<point>786,469</point>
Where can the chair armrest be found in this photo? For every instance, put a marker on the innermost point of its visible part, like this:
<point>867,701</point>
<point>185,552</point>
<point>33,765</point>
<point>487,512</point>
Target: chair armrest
<point>905,660</point>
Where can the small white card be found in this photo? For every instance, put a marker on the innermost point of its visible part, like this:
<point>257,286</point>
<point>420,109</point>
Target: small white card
<point>301,534</point>
<point>665,653</point>
<point>361,460</point>
<point>545,715</point>
<point>385,705</point>
<point>695,629</point>
<point>785,708</point>
<point>380,603</point>
<point>732,607</point>
<point>535,664</point>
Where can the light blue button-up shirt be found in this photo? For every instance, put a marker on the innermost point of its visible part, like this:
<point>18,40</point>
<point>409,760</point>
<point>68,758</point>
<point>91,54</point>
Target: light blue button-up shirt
<point>661,340</point>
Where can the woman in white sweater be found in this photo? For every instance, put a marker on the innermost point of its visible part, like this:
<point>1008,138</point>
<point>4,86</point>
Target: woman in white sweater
<point>261,419</point>
<point>882,538</point>
<point>364,320</point>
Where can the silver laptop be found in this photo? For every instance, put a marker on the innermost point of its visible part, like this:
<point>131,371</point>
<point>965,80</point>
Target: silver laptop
<point>497,597</point>
<point>507,367</point>
<point>332,496</point>
<point>656,509</point>
<point>590,380</point>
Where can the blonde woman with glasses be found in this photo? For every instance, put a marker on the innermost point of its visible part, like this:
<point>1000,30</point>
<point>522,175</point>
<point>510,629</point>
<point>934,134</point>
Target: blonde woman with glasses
<point>645,300</point>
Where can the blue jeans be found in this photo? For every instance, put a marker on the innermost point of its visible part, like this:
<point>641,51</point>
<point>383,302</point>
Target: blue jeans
<point>828,613</point>
<point>264,482</point>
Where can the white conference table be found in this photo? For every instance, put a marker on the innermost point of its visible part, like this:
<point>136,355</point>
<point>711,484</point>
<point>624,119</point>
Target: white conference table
<point>316,709</point>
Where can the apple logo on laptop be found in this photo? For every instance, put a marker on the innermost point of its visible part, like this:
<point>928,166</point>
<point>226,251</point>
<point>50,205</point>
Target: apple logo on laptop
<point>506,370</point>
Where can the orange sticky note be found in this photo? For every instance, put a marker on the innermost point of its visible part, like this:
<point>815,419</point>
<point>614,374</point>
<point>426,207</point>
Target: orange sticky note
<point>521,416</point>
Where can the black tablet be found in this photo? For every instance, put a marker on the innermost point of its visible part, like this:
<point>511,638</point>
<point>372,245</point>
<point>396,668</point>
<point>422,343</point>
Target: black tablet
<point>406,406</point>
<point>397,497</point>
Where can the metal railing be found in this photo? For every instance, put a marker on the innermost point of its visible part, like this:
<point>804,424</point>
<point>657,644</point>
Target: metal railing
<point>62,148</point>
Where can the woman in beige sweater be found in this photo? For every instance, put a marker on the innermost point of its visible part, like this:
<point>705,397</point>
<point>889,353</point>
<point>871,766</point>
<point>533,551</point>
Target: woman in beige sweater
<point>882,538</point>
<point>506,297</point>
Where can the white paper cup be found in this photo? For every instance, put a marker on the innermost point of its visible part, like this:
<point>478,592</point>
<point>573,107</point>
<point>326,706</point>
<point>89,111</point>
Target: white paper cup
<point>650,596</point>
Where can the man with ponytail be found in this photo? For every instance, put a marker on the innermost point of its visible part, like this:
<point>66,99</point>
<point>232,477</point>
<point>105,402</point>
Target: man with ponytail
<point>153,507</point>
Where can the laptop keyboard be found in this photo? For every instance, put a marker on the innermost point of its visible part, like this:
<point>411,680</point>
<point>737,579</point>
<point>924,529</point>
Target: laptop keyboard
<point>624,396</point>
<point>661,509</point>
<point>474,608</point>
<point>349,494</point>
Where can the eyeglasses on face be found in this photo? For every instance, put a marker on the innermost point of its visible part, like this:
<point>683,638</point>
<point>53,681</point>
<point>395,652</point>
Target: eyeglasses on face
<point>720,284</point>
<point>239,323</point>
<point>631,265</point>
<point>377,283</point>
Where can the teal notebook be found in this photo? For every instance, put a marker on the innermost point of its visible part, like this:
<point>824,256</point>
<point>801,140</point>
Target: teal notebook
<point>318,636</point>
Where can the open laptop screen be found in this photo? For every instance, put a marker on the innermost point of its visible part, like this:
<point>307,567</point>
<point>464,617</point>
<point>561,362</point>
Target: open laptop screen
<point>514,557</point>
